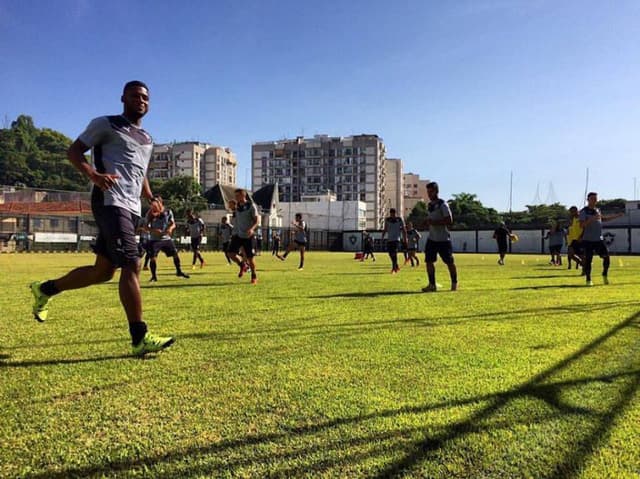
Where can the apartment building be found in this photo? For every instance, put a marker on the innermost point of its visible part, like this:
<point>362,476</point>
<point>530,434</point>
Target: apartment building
<point>415,190</point>
<point>207,164</point>
<point>394,184</point>
<point>352,167</point>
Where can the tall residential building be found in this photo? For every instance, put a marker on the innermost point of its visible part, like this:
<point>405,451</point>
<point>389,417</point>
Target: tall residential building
<point>352,167</point>
<point>394,185</point>
<point>415,190</point>
<point>207,164</point>
<point>220,166</point>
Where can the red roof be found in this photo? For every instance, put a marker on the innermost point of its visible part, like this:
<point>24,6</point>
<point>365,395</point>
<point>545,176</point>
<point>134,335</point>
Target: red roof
<point>79,207</point>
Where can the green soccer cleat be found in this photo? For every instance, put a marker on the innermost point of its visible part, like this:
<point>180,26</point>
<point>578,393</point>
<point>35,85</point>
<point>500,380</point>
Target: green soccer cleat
<point>41,302</point>
<point>152,344</point>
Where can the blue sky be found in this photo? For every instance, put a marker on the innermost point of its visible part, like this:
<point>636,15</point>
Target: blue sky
<point>463,91</point>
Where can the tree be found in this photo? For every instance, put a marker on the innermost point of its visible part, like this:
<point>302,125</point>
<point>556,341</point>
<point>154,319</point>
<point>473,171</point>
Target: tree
<point>181,193</point>
<point>469,212</point>
<point>418,215</point>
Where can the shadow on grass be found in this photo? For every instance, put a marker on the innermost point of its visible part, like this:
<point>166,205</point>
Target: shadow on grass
<point>569,286</point>
<point>187,284</point>
<point>366,294</point>
<point>310,444</point>
<point>64,361</point>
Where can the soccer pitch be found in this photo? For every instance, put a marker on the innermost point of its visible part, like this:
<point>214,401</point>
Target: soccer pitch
<point>340,370</point>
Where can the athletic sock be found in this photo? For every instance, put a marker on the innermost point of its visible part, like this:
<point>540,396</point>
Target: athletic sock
<point>432,278</point>
<point>176,263</point>
<point>285,254</point>
<point>605,266</point>
<point>454,278</point>
<point>137,331</point>
<point>153,267</point>
<point>49,288</point>
<point>146,261</point>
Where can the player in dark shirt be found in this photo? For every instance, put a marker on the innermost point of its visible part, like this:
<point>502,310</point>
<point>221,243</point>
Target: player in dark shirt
<point>501,235</point>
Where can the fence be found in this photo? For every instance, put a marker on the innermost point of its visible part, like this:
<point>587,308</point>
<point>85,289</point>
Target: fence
<point>77,233</point>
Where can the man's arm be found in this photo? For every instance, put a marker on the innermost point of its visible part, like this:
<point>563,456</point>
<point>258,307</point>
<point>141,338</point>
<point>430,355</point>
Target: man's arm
<point>146,189</point>
<point>75,153</point>
<point>612,217</point>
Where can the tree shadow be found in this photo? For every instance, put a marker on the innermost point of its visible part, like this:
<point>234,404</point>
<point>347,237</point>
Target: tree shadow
<point>365,294</point>
<point>186,284</point>
<point>491,414</point>
<point>568,286</point>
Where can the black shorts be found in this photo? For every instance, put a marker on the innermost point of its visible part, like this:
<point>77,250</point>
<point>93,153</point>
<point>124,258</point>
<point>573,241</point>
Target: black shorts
<point>225,246</point>
<point>300,243</point>
<point>393,246</point>
<point>503,247</point>
<point>595,247</point>
<point>555,249</point>
<point>244,243</point>
<point>442,248</point>
<point>116,239</point>
<point>576,246</point>
<point>195,243</point>
<point>166,246</point>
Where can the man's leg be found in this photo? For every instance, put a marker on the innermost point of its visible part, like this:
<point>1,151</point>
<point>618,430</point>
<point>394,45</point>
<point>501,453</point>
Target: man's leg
<point>100,272</point>
<point>431,274</point>
<point>453,273</point>
<point>176,264</point>
<point>301,257</point>
<point>588,259</point>
<point>154,267</point>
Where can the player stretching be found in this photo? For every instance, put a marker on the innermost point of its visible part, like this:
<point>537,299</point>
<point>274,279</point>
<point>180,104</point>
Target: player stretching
<point>439,242</point>
<point>574,235</point>
<point>196,231</point>
<point>299,240</point>
<point>121,154</point>
<point>226,230</point>
<point>160,224</point>
<point>413,239</point>
<point>246,221</point>
<point>396,232</point>
<point>592,241</point>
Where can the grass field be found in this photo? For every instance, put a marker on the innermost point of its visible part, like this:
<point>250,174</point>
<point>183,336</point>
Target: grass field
<point>340,370</point>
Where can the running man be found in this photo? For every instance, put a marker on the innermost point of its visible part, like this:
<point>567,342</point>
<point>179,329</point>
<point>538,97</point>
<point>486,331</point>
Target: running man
<point>574,237</point>
<point>196,231</point>
<point>121,154</point>
<point>591,220</point>
<point>275,244</point>
<point>299,240</point>
<point>226,230</point>
<point>439,242</point>
<point>413,239</point>
<point>502,235</point>
<point>161,224</point>
<point>368,247</point>
<point>396,233</point>
<point>246,221</point>
<point>555,235</point>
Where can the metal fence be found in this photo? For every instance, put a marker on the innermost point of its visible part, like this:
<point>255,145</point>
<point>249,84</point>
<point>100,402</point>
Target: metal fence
<point>20,232</point>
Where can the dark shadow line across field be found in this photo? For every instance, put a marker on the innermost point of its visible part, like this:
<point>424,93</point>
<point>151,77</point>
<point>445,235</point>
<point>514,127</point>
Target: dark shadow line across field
<point>548,392</point>
<point>571,465</point>
<point>357,326</point>
<point>63,361</point>
<point>186,284</point>
<point>365,294</point>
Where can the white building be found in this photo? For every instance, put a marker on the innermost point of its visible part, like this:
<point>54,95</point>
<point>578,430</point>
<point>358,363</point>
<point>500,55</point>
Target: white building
<point>325,213</point>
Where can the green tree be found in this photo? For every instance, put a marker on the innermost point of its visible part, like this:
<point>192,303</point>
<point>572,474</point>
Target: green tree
<point>469,212</point>
<point>418,215</point>
<point>181,193</point>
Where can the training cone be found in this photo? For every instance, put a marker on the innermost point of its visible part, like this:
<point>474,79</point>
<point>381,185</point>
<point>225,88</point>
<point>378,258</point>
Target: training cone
<point>482,258</point>
<point>620,262</point>
<point>523,262</point>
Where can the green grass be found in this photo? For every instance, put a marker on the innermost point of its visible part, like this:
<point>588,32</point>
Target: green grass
<point>340,370</point>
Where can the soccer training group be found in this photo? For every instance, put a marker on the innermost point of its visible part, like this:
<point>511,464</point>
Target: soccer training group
<point>121,154</point>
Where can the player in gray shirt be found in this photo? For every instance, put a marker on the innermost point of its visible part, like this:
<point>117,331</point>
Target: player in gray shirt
<point>121,154</point>
<point>439,241</point>
<point>413,240</point>
<point>196,232</point>
<point>396,232</point>
<point>299,240</point>
<point>226,230</point>
<point>592,241</point>
<point>246,221</point>
<point>555,235</point>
